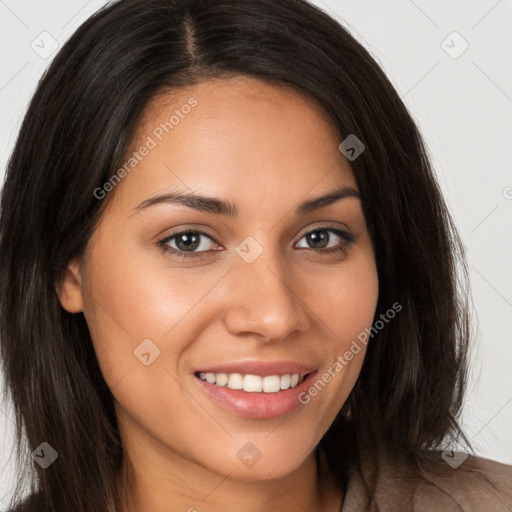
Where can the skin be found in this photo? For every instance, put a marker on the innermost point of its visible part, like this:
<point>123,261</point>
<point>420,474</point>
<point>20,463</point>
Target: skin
<point>266,149</point>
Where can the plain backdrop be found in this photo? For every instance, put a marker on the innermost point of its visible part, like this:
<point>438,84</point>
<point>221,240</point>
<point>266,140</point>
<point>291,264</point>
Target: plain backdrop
<point>450,62</point>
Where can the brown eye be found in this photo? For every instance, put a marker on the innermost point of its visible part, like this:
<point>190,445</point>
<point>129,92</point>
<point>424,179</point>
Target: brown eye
<point>327,240</point>
<point>188,244</point>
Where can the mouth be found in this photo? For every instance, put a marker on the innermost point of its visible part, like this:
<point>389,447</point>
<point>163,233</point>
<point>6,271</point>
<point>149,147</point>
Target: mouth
<point>256,390</point>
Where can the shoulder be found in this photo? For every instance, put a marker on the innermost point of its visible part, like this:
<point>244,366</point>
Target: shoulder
<point>464,482</point>
<point>454,482</point>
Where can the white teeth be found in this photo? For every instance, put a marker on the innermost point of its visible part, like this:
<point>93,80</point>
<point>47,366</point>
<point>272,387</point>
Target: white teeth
<point>271,384</point>
<point>221,380</point>
<point>253,383</point>
<point>235,381</point>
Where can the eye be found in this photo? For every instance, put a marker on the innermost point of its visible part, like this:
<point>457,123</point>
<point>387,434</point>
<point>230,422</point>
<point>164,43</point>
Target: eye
<point>328,240</point>
<point>194,244</point>
<point>188,244</point>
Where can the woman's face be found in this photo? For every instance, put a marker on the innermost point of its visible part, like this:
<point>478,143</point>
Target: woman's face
<point>276,285</point>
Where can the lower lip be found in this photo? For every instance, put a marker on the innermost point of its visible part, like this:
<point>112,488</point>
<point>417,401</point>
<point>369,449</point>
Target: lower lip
<point>257,405</point>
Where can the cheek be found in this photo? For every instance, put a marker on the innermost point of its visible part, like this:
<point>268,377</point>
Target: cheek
<point>137,306</point>
<point>346,305</point>
<point>145,297</point>
<point>136,315</point>
<point>346,300</point>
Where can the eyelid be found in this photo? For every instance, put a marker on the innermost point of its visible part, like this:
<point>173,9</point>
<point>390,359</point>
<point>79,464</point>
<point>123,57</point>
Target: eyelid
<point>196,228</point>
<point>324,226</point>
<point>168,238</point>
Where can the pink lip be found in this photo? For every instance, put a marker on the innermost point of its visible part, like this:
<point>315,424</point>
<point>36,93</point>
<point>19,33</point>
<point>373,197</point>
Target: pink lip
<point>261,368</point>
<point>256,405</point>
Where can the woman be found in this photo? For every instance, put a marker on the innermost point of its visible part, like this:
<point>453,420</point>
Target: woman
<point>228,276</point>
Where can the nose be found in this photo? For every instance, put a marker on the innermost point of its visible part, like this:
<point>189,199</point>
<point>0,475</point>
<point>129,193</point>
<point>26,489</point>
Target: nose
<point>262,301</point>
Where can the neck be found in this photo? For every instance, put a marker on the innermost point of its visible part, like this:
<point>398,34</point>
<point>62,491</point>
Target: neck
<point>185,486</point>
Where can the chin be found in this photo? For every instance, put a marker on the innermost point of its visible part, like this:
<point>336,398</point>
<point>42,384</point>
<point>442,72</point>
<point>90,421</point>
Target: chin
<point>252,464</point>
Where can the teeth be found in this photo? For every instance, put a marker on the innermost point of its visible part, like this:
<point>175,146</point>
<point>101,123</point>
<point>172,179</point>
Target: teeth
<point>235,381</point>
<point>221,379</point>
<point>253,383</point>
<point>271,384</point>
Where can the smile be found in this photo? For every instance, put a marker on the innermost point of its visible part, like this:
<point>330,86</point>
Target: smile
<point>256,389</point>
<point>253,383</point>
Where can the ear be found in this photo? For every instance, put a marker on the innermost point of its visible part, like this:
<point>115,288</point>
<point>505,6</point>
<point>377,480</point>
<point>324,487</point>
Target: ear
<point>69,288</point>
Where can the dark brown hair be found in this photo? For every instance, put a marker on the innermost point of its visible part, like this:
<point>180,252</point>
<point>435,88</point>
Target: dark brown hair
<point>75,135</point>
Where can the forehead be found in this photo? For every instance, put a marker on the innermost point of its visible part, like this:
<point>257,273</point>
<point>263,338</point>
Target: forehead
<point>236,134</point>
<point>236,96</point>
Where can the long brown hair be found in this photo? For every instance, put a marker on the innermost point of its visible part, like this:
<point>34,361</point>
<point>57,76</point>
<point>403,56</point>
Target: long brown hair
<point>75,134</point>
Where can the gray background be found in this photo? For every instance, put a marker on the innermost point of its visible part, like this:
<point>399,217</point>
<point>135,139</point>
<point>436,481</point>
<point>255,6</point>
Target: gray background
<point>462,101</point>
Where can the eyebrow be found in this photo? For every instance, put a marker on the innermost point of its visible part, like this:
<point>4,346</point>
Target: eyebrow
<point>220,207</point>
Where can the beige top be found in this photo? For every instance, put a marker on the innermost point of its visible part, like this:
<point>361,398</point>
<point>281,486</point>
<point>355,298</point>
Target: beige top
<point>439,488</point>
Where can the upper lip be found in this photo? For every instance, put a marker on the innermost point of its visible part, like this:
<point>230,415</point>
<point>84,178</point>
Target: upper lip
<point>261,368</point>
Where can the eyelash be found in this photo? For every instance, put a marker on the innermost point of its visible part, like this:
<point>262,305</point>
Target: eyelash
<point>346,240</point>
